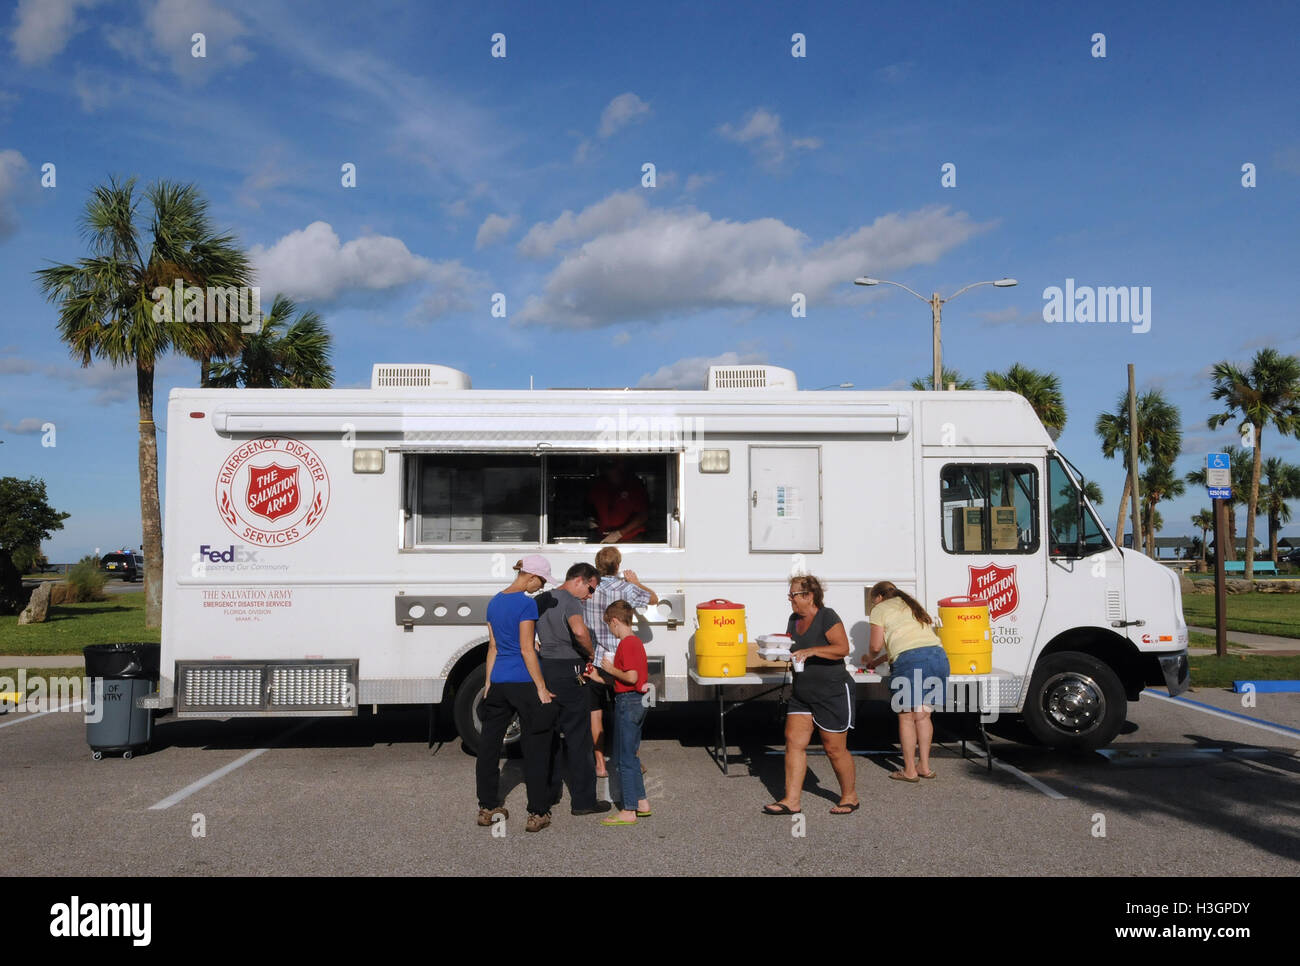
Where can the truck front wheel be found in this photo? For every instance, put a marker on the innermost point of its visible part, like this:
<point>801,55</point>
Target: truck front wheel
<point>469,695</point>
<point>1075,701</point>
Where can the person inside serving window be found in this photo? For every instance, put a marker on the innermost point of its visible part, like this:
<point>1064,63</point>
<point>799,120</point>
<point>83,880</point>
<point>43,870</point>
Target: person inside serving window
<point>620,504</point>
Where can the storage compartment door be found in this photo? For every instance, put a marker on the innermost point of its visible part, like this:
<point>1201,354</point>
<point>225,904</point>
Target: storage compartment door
<point>785,499</point>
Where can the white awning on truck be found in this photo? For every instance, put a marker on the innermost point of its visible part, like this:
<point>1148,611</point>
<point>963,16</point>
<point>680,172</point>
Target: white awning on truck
<point>557,421</point>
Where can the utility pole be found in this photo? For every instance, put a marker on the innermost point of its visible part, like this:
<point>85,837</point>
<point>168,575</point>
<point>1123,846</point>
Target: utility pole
<point>1133,460</point>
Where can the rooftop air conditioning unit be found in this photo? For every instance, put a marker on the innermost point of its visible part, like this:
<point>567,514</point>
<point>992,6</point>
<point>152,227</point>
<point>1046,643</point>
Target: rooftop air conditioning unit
<point>751,377</point>
<point>405,375</point>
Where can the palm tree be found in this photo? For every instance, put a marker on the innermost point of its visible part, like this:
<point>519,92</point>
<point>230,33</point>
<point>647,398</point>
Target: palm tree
<point>106,310</point>
<point>1203,521</point>
<point>1158,483</point>
<point>1242,466</point>
<point>1268,393</point>
<point>1282,484</point>
<point>1041,389</point>
<point>281,355</point>
<point>951,377</point>
<point>1160,438</point>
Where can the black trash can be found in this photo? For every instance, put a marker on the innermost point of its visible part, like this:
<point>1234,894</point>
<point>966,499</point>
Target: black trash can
<point>119,674</point>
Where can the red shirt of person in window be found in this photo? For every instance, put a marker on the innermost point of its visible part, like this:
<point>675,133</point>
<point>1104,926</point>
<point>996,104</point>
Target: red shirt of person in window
<point>620,503</point>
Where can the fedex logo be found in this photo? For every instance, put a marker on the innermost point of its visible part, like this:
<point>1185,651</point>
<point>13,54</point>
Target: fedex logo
<point>235,553</point>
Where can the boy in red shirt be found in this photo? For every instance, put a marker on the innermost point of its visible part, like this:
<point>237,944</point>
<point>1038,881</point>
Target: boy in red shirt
<point>630,674</point>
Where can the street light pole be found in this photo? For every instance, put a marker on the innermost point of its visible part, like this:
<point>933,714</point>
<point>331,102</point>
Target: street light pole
<point>936,312</point>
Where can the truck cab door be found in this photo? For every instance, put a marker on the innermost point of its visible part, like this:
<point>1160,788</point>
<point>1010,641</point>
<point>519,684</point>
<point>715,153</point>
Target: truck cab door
<point>984,539</point>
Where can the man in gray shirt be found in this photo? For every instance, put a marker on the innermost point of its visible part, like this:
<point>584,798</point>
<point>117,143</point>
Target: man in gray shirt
<point>565,646</point>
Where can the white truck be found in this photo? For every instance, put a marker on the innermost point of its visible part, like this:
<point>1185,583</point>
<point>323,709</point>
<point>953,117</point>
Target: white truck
<point>331,549</point>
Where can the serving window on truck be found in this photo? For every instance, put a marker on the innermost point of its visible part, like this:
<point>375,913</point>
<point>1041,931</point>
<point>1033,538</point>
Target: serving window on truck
<point>989,508</point>
<point>554,498</point>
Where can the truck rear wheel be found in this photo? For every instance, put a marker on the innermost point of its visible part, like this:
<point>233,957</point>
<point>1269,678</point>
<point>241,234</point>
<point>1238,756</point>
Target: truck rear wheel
<point>469,695</point>
<point>1075,701</point>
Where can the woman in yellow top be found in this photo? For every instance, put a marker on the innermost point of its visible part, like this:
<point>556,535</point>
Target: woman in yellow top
<point>903,633</point>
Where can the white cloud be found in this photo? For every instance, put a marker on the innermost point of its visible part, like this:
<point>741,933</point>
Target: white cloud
<point>614,212</point>
<point>895,73</point>
<point>648,264</point>
<point>13,166</point>
<point>173,23</point>
<point>110,384</point>
<point>97,89</point>
<point>311,263</point>
<point>42,28</point>
<point>621,111</point>
<point>25,427</point>
<point>762,132</point>
<point>493,229</point>
<point>695,182</point>
<point>267,174</point>
<point>1010,315</point>
<point>693,371</point>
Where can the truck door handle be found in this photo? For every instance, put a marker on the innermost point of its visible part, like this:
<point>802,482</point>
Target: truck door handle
<point>1138,623</point>
<point>753,499</point>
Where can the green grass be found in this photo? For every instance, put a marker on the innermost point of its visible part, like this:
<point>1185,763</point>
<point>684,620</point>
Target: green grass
<point>1209,671</point>
<point>1255,613</point>
<point>71,627</point>
<point>1197,639</point>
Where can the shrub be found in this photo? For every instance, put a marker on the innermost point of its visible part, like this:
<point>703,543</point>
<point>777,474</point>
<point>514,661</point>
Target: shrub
<point>85,582</point>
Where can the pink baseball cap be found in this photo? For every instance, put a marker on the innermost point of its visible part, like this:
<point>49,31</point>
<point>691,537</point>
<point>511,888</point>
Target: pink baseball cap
<point>537,565</point>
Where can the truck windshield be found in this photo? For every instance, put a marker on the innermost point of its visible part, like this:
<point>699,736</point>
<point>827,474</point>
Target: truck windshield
<point>1074,532</point>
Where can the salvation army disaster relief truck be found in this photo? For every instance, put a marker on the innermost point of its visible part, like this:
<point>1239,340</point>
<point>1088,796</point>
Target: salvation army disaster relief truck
<point>328,549</point>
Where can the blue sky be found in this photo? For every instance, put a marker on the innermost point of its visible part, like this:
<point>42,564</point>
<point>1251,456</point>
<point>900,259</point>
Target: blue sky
<point>775,174</point>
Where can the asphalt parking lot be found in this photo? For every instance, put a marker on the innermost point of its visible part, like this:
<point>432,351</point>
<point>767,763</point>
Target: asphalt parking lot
<point>1184,791</point>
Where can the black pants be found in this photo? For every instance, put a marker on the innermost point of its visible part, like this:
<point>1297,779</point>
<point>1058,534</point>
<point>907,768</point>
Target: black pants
<point>504,700</point>
<point>574,758</point>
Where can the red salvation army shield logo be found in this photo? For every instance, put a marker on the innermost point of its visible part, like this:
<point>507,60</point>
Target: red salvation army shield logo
<point>996,586</point>
<point>272,491</point>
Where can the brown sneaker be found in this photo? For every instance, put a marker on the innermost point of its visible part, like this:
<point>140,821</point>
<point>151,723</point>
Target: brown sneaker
<point>536,823</point>
<point>485,814</point>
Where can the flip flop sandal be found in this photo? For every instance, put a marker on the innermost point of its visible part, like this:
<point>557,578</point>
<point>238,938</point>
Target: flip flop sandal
<point>898,776</point>
<point>612,822</point>
<point>641,814</point>
<point>930,775</point>
<point>846,808</point>
<point>776,808</point>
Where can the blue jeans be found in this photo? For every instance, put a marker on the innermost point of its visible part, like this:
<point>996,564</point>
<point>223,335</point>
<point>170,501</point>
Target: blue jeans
<point>626,786</point>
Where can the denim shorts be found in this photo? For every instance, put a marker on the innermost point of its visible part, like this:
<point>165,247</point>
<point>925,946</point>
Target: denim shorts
<point>919,677</point>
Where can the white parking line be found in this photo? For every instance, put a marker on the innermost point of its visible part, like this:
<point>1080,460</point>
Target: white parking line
<point>1029,780</point>
<point>1229,715</point>
<point>207,780</point>
<point>41,714</point>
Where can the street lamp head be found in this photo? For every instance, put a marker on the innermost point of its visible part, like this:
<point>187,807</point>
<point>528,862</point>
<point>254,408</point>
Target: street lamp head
<point>1004,283</point>
<point>866,281</point>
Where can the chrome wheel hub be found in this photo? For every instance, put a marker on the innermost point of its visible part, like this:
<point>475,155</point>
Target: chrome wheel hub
<point>1073,702</point>
<point>512,731</point>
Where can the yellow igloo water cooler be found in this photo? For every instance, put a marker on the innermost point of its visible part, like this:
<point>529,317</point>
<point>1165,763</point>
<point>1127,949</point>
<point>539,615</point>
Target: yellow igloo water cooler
<point>720,643</point>
<point>966,635</point>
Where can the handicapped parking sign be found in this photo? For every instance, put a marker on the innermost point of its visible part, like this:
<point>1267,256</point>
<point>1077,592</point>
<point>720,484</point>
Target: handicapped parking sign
<point>1218,476</point>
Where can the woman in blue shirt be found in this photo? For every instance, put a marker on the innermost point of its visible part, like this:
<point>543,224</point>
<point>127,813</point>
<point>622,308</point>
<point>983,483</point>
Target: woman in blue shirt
<point>515,687</point>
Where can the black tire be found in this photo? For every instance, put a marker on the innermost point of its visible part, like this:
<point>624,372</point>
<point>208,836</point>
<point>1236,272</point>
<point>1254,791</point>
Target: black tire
<point>469,693</point>
<point>1075,701</point>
